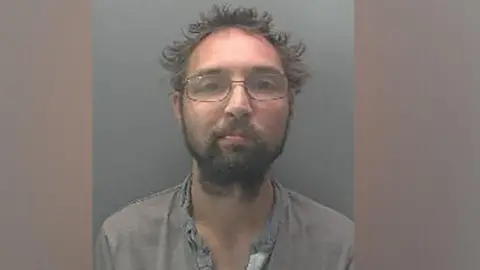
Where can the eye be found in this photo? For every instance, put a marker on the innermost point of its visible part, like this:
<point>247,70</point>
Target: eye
<point>210,84</point>
<point>265,84</point>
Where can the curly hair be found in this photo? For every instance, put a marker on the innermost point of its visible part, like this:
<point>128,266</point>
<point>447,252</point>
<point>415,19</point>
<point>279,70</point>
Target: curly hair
<point>175,56</point>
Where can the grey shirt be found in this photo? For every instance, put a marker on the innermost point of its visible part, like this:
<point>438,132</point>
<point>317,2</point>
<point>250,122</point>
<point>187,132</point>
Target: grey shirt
<point>157,233</point>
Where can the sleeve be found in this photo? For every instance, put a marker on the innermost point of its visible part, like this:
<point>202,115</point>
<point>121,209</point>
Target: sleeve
<point>102,257</point>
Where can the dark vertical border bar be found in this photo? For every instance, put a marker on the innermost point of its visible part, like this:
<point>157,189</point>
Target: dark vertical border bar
<point>45,135</point>
<point>417,134</point>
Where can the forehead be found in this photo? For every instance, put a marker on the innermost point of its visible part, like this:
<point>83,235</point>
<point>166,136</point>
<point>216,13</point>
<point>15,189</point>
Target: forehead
<point>234,49</point>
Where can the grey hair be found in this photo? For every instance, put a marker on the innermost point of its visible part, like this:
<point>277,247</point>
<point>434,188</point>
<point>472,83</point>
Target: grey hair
<point>175,56</point>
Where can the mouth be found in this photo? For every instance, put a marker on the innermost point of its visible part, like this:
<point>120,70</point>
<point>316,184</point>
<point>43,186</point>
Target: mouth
<point>235,134</point>
<point>235,138</point>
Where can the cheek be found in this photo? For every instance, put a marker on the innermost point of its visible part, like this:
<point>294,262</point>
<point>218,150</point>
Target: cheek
<point>278,125</point>
<point>198,121</point>
<point>273,122</point>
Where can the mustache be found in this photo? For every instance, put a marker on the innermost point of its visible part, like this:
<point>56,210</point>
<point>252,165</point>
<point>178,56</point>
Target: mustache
<point>240,127</point>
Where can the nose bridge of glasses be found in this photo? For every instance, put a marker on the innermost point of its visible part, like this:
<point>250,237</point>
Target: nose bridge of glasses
<point>238,89</point>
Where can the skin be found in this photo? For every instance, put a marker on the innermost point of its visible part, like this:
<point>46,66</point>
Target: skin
<point>225,218</point>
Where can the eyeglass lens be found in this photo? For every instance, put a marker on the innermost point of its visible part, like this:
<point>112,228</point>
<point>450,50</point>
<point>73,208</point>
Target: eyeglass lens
<point>260,85</point>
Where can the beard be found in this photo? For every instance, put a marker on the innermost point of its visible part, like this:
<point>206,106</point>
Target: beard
<point>241,165</point>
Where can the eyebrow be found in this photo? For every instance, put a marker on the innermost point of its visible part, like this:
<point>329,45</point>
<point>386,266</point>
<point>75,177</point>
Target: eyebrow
<point>208,71</point>
<point>254,69</point>
<point>265,69</point>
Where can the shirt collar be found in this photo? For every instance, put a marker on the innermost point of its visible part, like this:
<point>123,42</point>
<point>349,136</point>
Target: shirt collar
<point>266,240</point>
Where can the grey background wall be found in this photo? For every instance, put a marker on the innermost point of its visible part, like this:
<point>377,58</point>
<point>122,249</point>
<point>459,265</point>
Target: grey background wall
<point>137,145</point>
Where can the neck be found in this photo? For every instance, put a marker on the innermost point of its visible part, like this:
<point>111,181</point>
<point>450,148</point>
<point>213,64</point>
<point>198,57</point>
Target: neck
<point>231,214</point>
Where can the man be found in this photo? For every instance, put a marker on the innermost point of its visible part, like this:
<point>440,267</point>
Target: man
<point>235,80</point>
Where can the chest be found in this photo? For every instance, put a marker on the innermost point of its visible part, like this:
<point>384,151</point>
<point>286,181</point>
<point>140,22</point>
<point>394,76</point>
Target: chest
<point>234,258</point>
<point>175,251</point>
<point>226,254</point>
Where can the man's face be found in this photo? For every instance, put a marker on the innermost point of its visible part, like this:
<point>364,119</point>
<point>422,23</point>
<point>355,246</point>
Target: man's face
<point>235,140</point>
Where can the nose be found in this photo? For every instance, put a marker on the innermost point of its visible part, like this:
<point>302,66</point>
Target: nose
<point>238,103</point>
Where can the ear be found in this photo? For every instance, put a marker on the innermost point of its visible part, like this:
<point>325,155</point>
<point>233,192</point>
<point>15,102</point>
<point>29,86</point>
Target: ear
<point>177,105</point>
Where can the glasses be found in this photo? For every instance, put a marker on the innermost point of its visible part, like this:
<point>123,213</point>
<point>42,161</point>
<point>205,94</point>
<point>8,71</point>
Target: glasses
<point>216,87</point>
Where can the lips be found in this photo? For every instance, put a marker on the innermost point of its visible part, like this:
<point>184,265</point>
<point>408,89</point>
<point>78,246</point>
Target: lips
<point>235,134</point>
<point>235,137</point>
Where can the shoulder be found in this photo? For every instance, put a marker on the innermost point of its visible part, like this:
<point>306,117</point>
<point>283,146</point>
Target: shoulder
<point>319,235</point>
<point>319,221</point>
<point>142,216</point>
